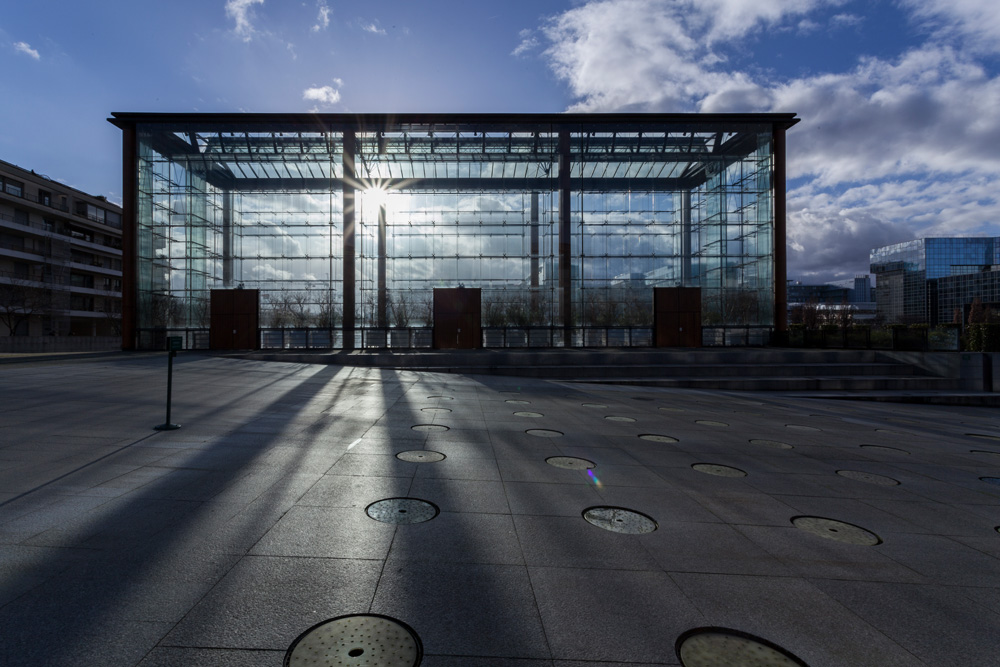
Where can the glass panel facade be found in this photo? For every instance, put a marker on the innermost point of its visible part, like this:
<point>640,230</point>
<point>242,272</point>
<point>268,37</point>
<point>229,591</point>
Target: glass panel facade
<point>514,206</point>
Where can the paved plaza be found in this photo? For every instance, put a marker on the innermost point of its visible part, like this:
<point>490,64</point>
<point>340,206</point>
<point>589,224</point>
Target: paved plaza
<point>219,543</point>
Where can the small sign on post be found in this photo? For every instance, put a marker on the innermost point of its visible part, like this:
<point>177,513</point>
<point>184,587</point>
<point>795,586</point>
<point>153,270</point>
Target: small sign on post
<point>174,345</point>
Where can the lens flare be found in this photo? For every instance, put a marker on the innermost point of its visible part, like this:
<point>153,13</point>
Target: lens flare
<point>593,478</point>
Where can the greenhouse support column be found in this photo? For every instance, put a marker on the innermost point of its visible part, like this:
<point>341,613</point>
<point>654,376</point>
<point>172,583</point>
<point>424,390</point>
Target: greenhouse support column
<point>348,184</point>
<point>227,238</point>
<point>130,228</point>
<point>534,239</point>
<point>565,247</point>
<point>383,321</point>
<point>780,255</point>
<point>686,238</point>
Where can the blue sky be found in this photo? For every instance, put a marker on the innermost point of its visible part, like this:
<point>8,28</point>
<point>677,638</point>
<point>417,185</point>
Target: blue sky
<point>899,99</point>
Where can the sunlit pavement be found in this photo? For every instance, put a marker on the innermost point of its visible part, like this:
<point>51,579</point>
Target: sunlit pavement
<point>219,543</point>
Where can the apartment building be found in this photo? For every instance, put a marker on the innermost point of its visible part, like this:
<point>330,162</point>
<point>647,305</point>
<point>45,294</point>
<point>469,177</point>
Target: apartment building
<point>60,258</point>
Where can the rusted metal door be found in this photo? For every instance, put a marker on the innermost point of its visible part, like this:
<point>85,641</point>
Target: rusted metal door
<point>234,319</point>
<point>457,318</point>
<point>677,316</point>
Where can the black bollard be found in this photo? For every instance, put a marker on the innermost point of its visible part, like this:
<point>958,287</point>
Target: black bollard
<point>174,343</point>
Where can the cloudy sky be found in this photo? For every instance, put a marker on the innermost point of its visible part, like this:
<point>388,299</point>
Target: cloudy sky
<point>899,99</point>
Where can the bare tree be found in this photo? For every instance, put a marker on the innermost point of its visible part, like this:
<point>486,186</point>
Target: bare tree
<point>20,300</point>
<point>400,309</point>
<point>111,306</point>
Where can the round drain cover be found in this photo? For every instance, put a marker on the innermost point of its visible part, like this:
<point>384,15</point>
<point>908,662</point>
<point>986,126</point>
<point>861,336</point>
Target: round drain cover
<point>528,414</point>
<point>653,437</point>
<point>885,449</point>
<point>871,478</point>
<point>721,647</point>
<point>429,427</point>
<point>443,398</point>
<point>544,433</point>
<point>402,510</point>
<point>619,520</point>
<point>983,436</point>
<point>513,401</point>
<point>720,470</point>
<point>991,480</point>
<point>799,427</point>
<point>437,410</point>
<point>666,409</point>
<point>775,444</point>
<point>363,639</point>
<point>613,418</point>
<point>707,422</point>
<point>570,463</point>
<point>593,405</point>
<point>420,456</point>
<point>641,398</point>
<point>832,529</point>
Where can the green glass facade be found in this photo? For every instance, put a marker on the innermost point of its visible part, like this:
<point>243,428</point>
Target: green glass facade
<point>347,223</point>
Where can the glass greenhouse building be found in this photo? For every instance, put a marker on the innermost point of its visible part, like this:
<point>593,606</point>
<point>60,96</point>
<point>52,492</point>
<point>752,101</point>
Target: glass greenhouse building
<point>351,231</point>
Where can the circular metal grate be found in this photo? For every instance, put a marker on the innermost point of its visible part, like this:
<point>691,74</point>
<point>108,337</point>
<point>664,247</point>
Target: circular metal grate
<point>774,444</point>
<point>654,437</point>
<point>991,480</point>
<point>840,531</point>
<point>800,427</point>
<point>619,520</point>
<point>593,405</point>
<point>983,436</point>
<point>367,640</point>
<point>641,398</point>
<point>708,422</point>
<point>983,451</point>
<point>443,398</point>
<point>544,433</point>
<point>666,409</point>
<point>871,478</point>
<point>435,410</point>
<point>402,510</point>
<point>529,414</point>
<point>721,647</point>
<point>719,470</point>
<point>421,456</point>
<point>513,401</point>
<point>884,448</point>
<point>614,418</point>
<point>430,428</point>
<point>570,463</point>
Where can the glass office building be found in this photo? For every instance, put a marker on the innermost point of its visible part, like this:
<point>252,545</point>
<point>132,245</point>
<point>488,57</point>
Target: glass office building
<point>923,281</point>
<point>345,224</point>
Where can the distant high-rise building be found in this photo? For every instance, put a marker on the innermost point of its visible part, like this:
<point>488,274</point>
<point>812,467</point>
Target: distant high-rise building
<point>926,280</point>
<point>60,258</point>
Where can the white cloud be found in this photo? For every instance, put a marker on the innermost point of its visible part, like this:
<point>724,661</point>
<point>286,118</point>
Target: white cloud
<point>25,48</point>
<point>373,28</point>
<point>979,20</point>
<point>891,149</point>
<point>528,43</point>
<point>327,95</point>
<point>322,18</point>
<point>241,11</point>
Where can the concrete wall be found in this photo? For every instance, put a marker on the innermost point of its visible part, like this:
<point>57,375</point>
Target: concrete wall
<point>28,344</point>
<point>979,371</point>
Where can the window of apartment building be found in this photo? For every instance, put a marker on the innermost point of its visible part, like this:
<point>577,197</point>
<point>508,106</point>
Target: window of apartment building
<point>77,280</point>
<point>113,219</point>
<point>21,270</point>
<point>45,197</point>
<point>112,285</point>
<point>13,187</point>
<point>11,242</point>
<point>83,234</point>
<point>95,213</point>
<point>20,217</point>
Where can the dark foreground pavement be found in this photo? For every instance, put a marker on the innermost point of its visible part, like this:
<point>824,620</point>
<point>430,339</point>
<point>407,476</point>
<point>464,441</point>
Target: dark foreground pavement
<point>217,544</point>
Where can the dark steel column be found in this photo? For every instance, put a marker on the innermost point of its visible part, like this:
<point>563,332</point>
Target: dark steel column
<point>349,194</point>
<point>780,255</point>
<point>130,249</point>
<point>534,239</point>
<point>686,238</point>
<point>383,320</point>
<point>227,238</point>
<point>565,246</point>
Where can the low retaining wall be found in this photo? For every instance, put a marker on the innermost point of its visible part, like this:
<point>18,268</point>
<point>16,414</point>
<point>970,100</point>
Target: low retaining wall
<point>50,344</point>
<point>978,371</point>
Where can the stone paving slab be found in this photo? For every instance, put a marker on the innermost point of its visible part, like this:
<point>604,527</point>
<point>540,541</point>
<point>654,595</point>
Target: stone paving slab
<point>219,543</point>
